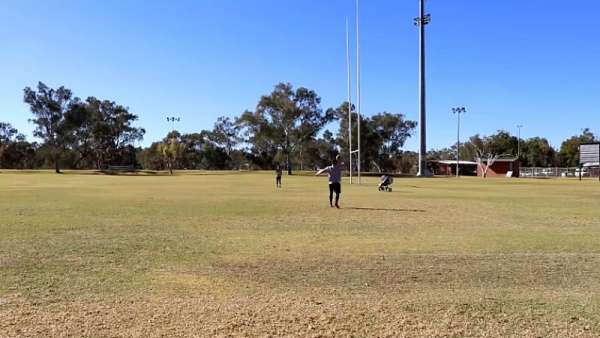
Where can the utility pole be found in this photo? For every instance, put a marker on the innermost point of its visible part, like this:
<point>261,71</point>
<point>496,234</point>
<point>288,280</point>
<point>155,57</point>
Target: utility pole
<point>519,142</point>
<point>458,111</point>
<point>421,22</point>
<point>349,96</point>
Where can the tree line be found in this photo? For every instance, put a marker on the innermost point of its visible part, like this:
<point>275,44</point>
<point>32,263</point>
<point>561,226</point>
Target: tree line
<point>533,152</point>
<point>287,127</point>
<point>74,133</point>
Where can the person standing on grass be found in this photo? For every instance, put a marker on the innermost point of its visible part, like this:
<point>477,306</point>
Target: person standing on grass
<point>334,172</point>
<point>278,173</point>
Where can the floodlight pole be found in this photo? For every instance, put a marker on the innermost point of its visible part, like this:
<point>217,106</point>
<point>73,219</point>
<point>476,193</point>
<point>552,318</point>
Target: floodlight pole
<point>358,98</point>
<point>421,22</point>
<point>173,119</point>
<point>519,142</point>
<point>458,111</point>
<point>349,97</point>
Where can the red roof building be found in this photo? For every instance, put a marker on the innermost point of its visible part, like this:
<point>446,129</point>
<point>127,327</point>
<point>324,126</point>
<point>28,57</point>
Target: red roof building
<point>448,168</point>
<point>502,167</point>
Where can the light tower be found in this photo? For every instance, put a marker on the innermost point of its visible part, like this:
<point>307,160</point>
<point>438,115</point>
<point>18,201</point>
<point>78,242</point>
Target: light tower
<point>458,111</point>
<point>519,142</point>
<point>421,22</point>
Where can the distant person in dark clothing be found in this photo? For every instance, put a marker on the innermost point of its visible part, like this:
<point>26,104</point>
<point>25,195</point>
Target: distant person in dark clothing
<point>278,173</point>
<point>334,172</point>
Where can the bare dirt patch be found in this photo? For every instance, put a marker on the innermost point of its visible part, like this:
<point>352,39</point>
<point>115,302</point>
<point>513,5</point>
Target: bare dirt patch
<point>403,296</point>
<point>296,313</point>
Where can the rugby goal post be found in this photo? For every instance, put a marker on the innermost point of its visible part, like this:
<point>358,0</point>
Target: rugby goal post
<point>589,156</point>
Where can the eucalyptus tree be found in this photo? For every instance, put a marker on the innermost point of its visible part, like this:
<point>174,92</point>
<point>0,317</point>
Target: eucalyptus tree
<point>225,134</point>
<point>11,145</point>
<point>383,136</point>
<point>285,120</point>
<point>49,107</point>
<point>112,130</point>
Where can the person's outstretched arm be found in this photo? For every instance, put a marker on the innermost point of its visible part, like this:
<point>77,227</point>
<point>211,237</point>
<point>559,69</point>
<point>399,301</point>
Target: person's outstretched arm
<point>320,172</point>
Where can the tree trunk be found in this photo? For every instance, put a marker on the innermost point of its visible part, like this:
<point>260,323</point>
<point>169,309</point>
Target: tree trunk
<point>82,156</point>
<point>56,164</point>
<point>287,156</point>
<point>288,163</point>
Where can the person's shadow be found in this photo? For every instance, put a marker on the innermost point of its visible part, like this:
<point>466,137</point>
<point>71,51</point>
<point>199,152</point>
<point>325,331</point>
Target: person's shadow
<point>385,209</point>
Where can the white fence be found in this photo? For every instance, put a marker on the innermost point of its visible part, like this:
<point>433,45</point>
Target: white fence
<point>559,172</point>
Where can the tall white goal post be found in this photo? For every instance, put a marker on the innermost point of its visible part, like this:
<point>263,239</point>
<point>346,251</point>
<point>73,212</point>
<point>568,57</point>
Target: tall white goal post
<point>349,78</point>
<point>354,152</point>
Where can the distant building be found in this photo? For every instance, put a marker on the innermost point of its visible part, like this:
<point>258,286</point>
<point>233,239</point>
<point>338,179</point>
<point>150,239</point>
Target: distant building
<point>502,167</point>
<point>448,168</point>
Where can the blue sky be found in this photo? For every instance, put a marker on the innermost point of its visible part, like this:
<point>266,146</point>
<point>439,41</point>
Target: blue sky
<point>510,62</point>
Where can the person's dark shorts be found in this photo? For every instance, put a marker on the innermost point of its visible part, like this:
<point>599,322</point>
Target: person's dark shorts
<point>335,187</point>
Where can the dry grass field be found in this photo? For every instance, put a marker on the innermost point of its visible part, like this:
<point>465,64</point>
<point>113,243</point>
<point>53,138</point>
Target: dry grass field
<point>227,255</point>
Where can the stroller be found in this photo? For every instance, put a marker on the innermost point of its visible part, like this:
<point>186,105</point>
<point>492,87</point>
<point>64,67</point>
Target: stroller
<point>385,183</point>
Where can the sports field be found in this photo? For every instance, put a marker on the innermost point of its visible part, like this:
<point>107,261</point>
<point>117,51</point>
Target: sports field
<point>209,254</point>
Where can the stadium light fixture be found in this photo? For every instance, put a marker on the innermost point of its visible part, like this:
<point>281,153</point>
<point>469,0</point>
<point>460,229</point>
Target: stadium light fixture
<point>173,119</point>
<point>458,111</point>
